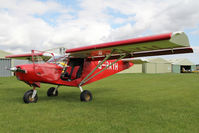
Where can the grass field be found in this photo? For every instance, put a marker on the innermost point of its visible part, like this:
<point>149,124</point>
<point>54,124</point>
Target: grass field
<point>123,103</point>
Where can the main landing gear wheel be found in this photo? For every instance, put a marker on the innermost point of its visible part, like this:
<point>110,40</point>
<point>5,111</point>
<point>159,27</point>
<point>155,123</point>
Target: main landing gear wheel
<point>27,98</point>
<point>51,92</point>
<point>86,96</point>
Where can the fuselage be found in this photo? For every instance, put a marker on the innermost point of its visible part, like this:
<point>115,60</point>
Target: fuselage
<point>33,74</point>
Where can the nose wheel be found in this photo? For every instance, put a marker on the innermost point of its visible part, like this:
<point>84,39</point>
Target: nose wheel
<point>30,96</point>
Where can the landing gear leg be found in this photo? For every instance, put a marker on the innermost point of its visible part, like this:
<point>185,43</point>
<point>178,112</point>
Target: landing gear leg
<point>81,89</point>
<point>30,96</point>
<point>85,95</point>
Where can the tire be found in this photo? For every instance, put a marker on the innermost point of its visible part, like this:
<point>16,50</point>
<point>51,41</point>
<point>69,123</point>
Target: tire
<point>27,98</point>
<point>86,96</point>
<point>50,92</point>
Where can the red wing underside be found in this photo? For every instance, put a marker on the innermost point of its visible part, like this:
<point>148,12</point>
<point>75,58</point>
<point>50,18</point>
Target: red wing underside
<point>164,44</point>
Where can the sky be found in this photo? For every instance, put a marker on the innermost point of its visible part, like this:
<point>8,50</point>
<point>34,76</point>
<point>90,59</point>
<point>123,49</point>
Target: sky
<point>46,24</point>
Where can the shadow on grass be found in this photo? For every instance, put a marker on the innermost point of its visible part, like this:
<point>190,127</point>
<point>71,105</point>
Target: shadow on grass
<point>73,96</point>
<point>67,97</point>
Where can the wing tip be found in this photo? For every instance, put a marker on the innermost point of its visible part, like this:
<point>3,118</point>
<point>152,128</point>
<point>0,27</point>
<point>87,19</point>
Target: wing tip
<point>180,38</point>
<point>177,33</point>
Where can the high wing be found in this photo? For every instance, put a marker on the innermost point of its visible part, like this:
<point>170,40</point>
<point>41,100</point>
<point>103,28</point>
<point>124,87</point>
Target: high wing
<point>163,44</point>
<point>28,56</point>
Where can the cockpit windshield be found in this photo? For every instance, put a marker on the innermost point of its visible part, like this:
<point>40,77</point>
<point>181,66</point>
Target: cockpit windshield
<point>57,59</point>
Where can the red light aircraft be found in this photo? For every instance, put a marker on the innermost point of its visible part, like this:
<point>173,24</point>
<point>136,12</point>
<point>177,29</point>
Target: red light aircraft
<point>84,65</point>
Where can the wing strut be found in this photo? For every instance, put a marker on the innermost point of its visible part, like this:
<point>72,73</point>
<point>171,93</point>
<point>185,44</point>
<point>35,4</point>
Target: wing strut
<point>86,79</point>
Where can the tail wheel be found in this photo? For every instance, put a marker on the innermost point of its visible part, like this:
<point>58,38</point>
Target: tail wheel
<point>51,92</point>
<point>27,98</point>
<point>86,96</point>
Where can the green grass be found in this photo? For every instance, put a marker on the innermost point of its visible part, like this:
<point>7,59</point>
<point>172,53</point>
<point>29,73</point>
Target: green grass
<point>123,103</point>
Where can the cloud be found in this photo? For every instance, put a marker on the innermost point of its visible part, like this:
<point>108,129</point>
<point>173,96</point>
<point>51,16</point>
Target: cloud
<point>158,16</point>
<point>30,7</point>
<point>73,34</point>
<point>20,29</point>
